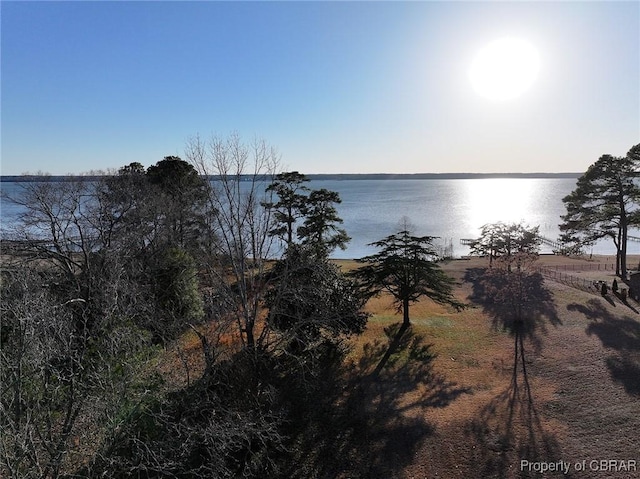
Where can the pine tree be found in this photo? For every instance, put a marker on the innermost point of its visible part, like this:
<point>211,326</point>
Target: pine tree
<point>290,188</point>
<point>605,204</point>
<point>320,228</point>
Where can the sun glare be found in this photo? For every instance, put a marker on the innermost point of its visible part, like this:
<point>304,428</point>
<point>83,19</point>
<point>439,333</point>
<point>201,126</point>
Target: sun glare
<point>504,69</point>
<point>498,199</point>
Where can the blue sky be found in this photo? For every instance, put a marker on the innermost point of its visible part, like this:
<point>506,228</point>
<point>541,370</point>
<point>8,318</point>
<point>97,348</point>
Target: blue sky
<point>336,87</point>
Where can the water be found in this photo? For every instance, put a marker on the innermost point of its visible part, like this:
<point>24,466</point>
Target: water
<point>452,209</point>
<point>8,211</point>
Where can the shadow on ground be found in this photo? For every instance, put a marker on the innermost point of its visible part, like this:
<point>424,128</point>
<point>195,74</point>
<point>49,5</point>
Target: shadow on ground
<point>508,429</point>
<point>517,301</point>
<point>377,422</point>
<point>620,334</point>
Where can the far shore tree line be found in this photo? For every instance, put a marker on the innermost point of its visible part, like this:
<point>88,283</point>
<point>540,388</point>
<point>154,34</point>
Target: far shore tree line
<point>115,272</point>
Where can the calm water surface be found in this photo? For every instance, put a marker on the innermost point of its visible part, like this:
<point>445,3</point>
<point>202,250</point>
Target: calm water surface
<point>450,209</point>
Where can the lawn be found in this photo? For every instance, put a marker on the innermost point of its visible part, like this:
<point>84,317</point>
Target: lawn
<point>447,403</point>
<point>579,400</point>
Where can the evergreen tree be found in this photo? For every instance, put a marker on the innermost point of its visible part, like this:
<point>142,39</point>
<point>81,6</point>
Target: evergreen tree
<point>605,204</point>
<point>180,196</point>
<point>406,268</point>
<point>320,228</point>
<point>310,296</point>
<point>177,293</point>
<point>290,188</point>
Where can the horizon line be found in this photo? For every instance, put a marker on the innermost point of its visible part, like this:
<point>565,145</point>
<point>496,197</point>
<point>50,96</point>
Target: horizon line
<point>450,174</point>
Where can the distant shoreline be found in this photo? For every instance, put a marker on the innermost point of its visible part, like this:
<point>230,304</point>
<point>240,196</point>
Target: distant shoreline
<point>436,176</point>
<point>332,176</point>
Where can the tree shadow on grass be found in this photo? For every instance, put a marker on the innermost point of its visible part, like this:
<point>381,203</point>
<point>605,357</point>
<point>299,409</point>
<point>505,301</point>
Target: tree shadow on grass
<point>516,301</point>
<point>621,334</point>
<point>508,429</point>
<point>377,420</point>
<point>404,365</point>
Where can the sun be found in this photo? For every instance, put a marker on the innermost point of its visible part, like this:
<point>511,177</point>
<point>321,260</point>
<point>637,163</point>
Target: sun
<point>504,69</point>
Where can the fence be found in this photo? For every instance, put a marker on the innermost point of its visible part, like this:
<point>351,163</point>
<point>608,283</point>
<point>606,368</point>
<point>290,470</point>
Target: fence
<point>583,284</point>
<point>582,267</point>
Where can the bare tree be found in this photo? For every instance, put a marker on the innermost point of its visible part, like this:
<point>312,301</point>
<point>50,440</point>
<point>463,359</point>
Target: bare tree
<point>57,223</point>
<point>240,175</point>
<point>64,371</point>
<point>73,318</point>
<point>36,335</point>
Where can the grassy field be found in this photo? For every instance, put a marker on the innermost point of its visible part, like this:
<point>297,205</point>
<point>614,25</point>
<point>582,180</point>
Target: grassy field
<point>450,404</point>
<point>579,400</point>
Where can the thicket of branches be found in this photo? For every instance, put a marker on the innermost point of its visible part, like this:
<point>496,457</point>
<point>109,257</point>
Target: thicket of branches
<point>107,275</point>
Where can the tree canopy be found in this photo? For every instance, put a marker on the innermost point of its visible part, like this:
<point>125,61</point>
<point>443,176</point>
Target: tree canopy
<point>175,176</point>
<point>290,188</point>
<point>406,267</point>
<point>604,204</point>
<point>311,295</point>
<point>314,209</point>
<point>506,241</point>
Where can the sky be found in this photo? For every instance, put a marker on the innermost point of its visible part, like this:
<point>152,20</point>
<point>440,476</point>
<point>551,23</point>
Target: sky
<point>335,87</point>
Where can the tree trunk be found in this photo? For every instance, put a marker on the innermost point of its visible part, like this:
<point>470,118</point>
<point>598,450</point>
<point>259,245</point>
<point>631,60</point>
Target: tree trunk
<point>622,233</point>
<point>623,247</point>
<point>623,254</point>
<point>251,342</point>
<point>616,242</point>
<point>290,223</point>
<point>405,312</point>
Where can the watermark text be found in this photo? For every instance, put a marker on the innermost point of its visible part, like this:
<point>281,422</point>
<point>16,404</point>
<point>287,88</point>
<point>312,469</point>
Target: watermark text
<point>594,465</point>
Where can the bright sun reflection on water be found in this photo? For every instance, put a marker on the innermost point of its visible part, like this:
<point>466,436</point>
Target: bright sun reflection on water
<point>498,199</point>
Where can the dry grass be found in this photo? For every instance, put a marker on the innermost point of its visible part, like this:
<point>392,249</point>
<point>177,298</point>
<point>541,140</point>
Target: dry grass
<point>584,386</point>
<point>580,400</point>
